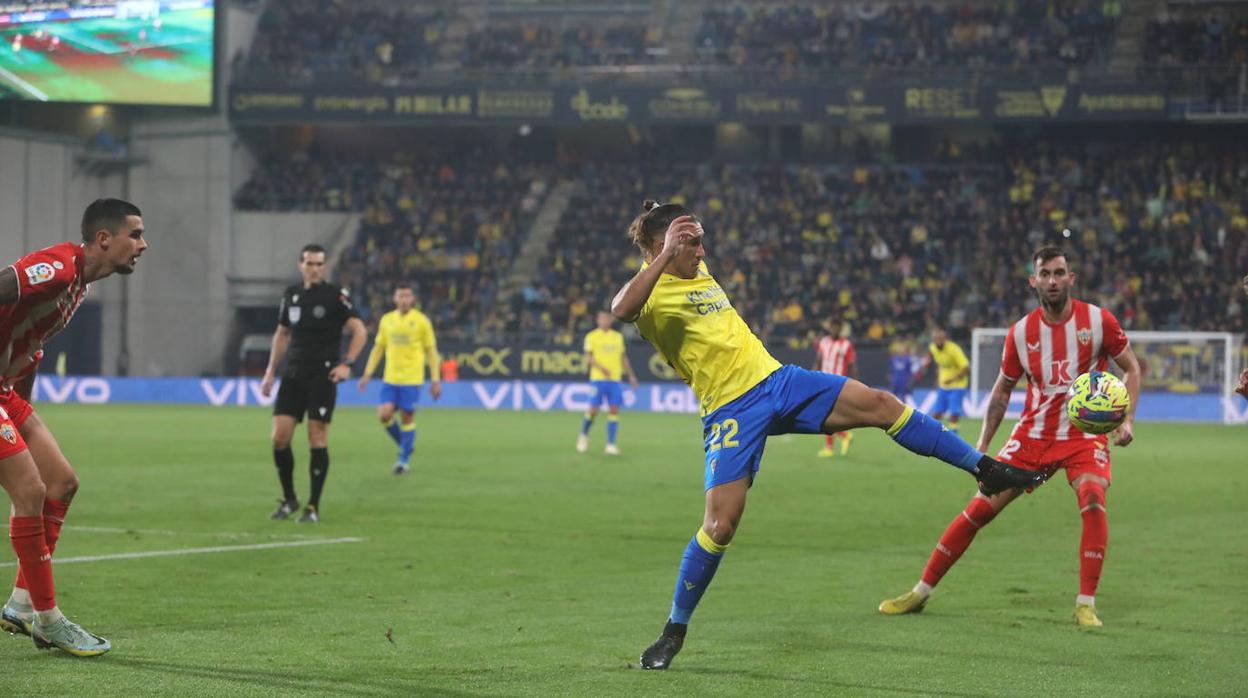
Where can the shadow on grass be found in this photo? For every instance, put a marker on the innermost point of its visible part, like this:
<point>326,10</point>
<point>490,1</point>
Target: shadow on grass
<point>310,682</point>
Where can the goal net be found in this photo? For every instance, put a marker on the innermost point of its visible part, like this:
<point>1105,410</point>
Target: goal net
<point>1187,376</point>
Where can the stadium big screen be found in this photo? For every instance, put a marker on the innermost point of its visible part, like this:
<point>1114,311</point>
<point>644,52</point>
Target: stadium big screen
<point>127,52</point>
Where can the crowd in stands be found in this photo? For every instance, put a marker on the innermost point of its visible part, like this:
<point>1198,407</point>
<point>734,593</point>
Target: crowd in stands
<point>1158,234</point>
<point>1017,34</point>
<point>1214,35</point>
<point>533,45</point>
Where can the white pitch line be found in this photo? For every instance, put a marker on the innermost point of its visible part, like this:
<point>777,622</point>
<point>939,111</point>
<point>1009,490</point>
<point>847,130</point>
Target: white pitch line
<point>35,91</point>
<point>197,551</point>
<point>165,532</point>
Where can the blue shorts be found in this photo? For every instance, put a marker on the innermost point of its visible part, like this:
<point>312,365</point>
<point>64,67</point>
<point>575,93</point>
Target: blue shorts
<point>609,392</point>
<point>792,400</point>
<point>949,401</point>
<point>403,397</point>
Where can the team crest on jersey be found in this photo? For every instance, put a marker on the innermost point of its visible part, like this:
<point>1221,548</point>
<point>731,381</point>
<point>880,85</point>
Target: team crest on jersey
<point>1084,335</point>
<point>39,273</point>
<point>8,434</point>
<point>295,313</point>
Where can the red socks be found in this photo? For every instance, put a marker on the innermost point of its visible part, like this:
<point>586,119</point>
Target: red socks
<point>26,533</point>
<point>956,539</point>
<point>1095,536</point>
<point>53,518</point>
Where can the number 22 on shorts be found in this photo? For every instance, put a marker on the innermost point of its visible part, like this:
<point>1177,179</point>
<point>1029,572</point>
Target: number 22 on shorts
<point>728,430</point>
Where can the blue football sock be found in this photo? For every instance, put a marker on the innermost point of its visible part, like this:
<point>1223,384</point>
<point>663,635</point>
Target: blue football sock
<point>613,428</point>
<point>697,568</point>
<point>392,428</point>
<point>586,424</point>
<point>407,441</point>
<point>927,437</point>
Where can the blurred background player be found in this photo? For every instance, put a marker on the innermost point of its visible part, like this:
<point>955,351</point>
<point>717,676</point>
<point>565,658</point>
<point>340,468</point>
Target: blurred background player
<point>38,295</point>
<point>952,376</point>
<point>405,338</point>
<point>309,331</point>
<point>834,353</point>
<point>903,366</point>
<point>1052,345</point>
<point>607,360</point>
<point>746,395</point>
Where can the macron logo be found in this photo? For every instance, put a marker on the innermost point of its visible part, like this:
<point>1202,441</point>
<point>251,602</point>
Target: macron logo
<point>690,586</point>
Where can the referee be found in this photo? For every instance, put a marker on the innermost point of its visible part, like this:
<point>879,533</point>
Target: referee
<point>309,334</point>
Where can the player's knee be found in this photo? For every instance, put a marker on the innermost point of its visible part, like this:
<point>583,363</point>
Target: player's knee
<point>1091,493</point>
<point>883,408</point>
<point>28,497</point>
<point>63,488</point>
<point>721,530</point>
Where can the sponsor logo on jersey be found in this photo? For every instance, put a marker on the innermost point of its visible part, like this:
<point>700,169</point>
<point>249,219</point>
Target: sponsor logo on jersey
<point>40,273</point>
<point>295,313</point>
<point>8,433</point>
<point>1033,347</point>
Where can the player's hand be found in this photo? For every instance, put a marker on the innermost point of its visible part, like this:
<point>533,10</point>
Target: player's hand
<point>435,390</point>
<point>1124,434</point>
<point>680,233</point>
<point>1242,388</point>
<point>266,385</point>
<point>363,383</point>
<point>632,381</point>
<point>339,373</point>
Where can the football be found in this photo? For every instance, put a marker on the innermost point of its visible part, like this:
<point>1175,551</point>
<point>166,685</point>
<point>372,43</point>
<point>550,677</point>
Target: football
<point>1097,402</point>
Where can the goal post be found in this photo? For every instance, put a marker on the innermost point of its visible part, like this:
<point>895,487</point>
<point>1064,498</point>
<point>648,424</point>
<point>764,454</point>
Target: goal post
<point>1186,376</point>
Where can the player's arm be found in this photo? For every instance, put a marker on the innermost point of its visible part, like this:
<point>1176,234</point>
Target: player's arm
<point>964,365</point>
<point>277,351</point>
<point>359,337</point>
<point>1131,374</point>
<point>25,386</point>
<point>10,291</point>
<point>628,369</point>
<point>627,304</point>
<point>374,356</point>
<point>998,402</point>
<point>1242,387</point>
<point>434,361</point>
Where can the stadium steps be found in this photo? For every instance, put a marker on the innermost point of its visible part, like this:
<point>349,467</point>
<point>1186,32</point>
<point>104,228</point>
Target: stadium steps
<point>1128,48</point>
<point>537,243</point>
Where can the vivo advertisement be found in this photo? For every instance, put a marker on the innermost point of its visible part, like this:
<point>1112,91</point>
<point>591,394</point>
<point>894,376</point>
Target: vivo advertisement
<point>539,395</point>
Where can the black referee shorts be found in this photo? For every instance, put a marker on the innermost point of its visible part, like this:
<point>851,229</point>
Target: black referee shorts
<point>306,388</point>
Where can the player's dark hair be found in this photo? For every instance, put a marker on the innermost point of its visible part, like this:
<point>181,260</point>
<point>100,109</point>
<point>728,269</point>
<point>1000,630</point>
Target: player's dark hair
<point>106,213</point>
<point>1046,253</point>
<point>403,285</point>
<point>653,222</point>
<point>310,247</point>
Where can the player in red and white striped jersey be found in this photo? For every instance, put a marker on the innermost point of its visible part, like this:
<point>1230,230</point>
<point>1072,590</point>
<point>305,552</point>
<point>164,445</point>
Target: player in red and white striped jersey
<point>38,295</point>
<point>834,353</point>
<point>1052,345</point>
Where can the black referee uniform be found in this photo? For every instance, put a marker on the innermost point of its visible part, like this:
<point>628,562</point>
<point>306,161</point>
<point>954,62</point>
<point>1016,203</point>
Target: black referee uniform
<point>315,317</point>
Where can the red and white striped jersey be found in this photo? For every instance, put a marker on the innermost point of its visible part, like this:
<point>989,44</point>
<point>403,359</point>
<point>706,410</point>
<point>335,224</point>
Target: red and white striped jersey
<point>50,289</point>
<point>1052,357</point>
<point>835,354</point>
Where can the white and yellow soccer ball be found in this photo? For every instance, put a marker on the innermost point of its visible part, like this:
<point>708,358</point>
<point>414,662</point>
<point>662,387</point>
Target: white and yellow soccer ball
<point>1097,402</point>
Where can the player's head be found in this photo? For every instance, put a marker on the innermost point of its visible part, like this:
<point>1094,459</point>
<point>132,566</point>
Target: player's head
<point>604,320</point>
<point>1051,277</point>
<point>404,297</point>
<point>939,336</point>
<point>312,263</point>
<point>649,229</point>
<point>115,228</point>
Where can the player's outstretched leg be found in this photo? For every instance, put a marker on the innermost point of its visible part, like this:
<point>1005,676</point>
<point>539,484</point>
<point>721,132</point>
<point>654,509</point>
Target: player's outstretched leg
<point>407,443</point>
<point>582,440</point>
<point>861,406</point>
<point>724,506</point>
<point>953,543</point>
<point>1092,545</point>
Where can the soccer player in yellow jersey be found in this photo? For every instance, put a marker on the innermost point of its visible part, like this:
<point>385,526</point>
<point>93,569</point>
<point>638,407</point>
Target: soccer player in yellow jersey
<point>746,396</point>
<point>405,338</point>
<point>952,378</point>
<point>607,361</point>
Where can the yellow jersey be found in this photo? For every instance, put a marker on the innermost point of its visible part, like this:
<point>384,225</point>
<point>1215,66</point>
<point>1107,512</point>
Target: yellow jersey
<point>698,333</point>
<point>950,360</point>
<point>406,341</point>
<point>607,349</point>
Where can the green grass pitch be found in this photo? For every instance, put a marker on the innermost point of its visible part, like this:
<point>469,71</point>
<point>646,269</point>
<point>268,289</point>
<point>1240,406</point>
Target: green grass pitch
<point>509,565</point>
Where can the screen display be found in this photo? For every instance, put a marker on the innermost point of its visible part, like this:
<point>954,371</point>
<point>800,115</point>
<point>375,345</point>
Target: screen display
<point>115,52</point>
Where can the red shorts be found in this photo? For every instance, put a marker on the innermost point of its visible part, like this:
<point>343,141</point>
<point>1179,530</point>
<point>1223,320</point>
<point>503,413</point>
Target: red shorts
<point>1075,456</point>
<point>14,411</point>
